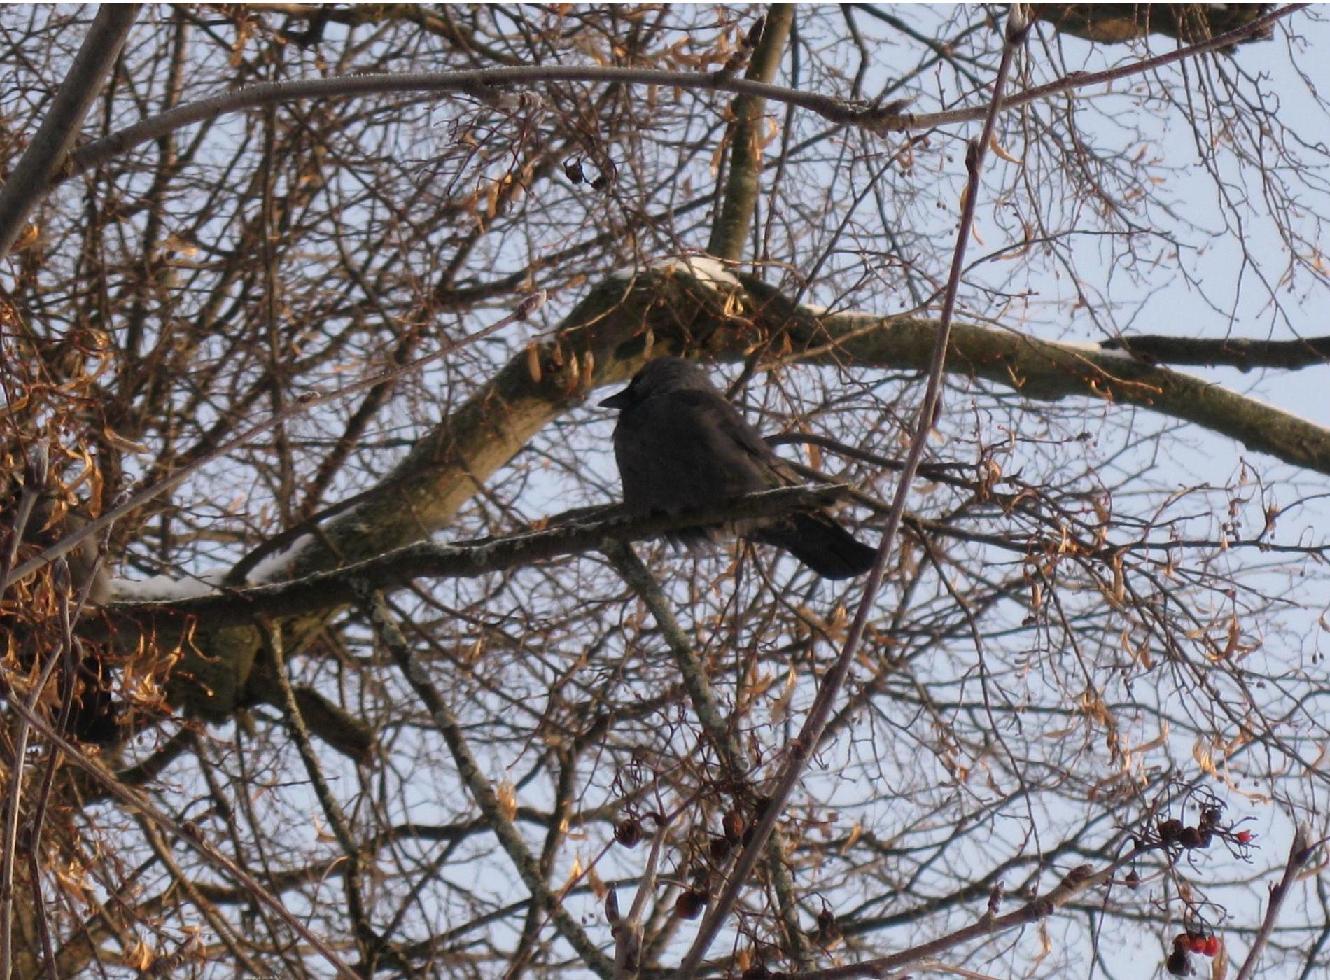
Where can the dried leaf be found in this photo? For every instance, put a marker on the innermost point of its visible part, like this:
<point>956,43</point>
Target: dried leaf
<point>507,797</point>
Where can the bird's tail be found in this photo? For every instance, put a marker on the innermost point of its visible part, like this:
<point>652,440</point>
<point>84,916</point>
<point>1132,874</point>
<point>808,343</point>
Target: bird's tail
<point>821,544</point>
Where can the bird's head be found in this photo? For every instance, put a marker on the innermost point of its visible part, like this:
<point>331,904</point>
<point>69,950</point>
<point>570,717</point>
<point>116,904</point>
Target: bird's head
<point>661,376</point>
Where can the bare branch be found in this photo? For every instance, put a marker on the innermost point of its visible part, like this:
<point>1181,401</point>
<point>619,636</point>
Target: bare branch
<point>46,154</point>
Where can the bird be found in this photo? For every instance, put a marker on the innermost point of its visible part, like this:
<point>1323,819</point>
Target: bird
<point>681,446</point>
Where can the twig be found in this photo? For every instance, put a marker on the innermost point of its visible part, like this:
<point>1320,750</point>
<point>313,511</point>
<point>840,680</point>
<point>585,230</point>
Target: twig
<point>805,743</point>
<point>68,605</point>
<point>353,878</point>
<point>1299,853</point>
<point>1074,883</point>
<point>728,746</point>
<point>136,802</point>
<point>388,633</point>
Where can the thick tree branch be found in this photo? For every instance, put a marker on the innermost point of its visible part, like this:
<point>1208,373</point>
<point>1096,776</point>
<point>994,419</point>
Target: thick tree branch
<point>43,158</point>
<point>1227,352</point>
<point>321,592</point>
<point>745,149</point>
<point>1050,371</point>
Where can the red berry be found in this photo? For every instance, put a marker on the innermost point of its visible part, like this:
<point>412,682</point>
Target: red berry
<point>1244,836</point>
<point>1196,943</point>
<point>1211,946</point>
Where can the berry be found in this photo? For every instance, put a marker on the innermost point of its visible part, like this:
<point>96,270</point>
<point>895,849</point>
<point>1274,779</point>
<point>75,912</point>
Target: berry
<point>1177,963</point>
<point>1211,946</point>
<point>1196,942</point>
<point>1244,836</point>
<point>628,833</point>
<point>1170,830</point>
<point>689,904</point>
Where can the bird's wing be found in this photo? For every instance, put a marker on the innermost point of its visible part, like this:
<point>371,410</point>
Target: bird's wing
<point>709,410</point>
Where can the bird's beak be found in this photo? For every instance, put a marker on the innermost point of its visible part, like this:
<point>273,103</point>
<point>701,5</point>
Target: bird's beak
<point>617,400</point>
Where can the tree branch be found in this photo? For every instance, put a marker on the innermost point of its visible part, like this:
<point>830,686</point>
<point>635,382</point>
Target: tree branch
<point>42,160</point>
<point>1229,351</point>
<point>477,784</point>
<point>1299,853</point>
<point>322,592</point>
<point>745,165</point>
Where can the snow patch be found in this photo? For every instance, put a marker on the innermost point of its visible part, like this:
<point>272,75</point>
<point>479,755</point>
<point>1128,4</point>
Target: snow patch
<point>161,588</point>
<point>703,268</point>
<point>275,566</point>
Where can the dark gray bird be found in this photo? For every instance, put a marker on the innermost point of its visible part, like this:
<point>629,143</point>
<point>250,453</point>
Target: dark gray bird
<point>681,446</point>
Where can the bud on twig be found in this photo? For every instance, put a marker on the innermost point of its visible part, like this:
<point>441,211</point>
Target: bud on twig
<point>1018,23</point>
<point>37,466</point>
<point>531,303</point>
<point>60,575</point>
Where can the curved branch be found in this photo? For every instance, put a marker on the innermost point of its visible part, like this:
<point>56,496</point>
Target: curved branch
<point>604,340</point>
<point>487,83</point>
